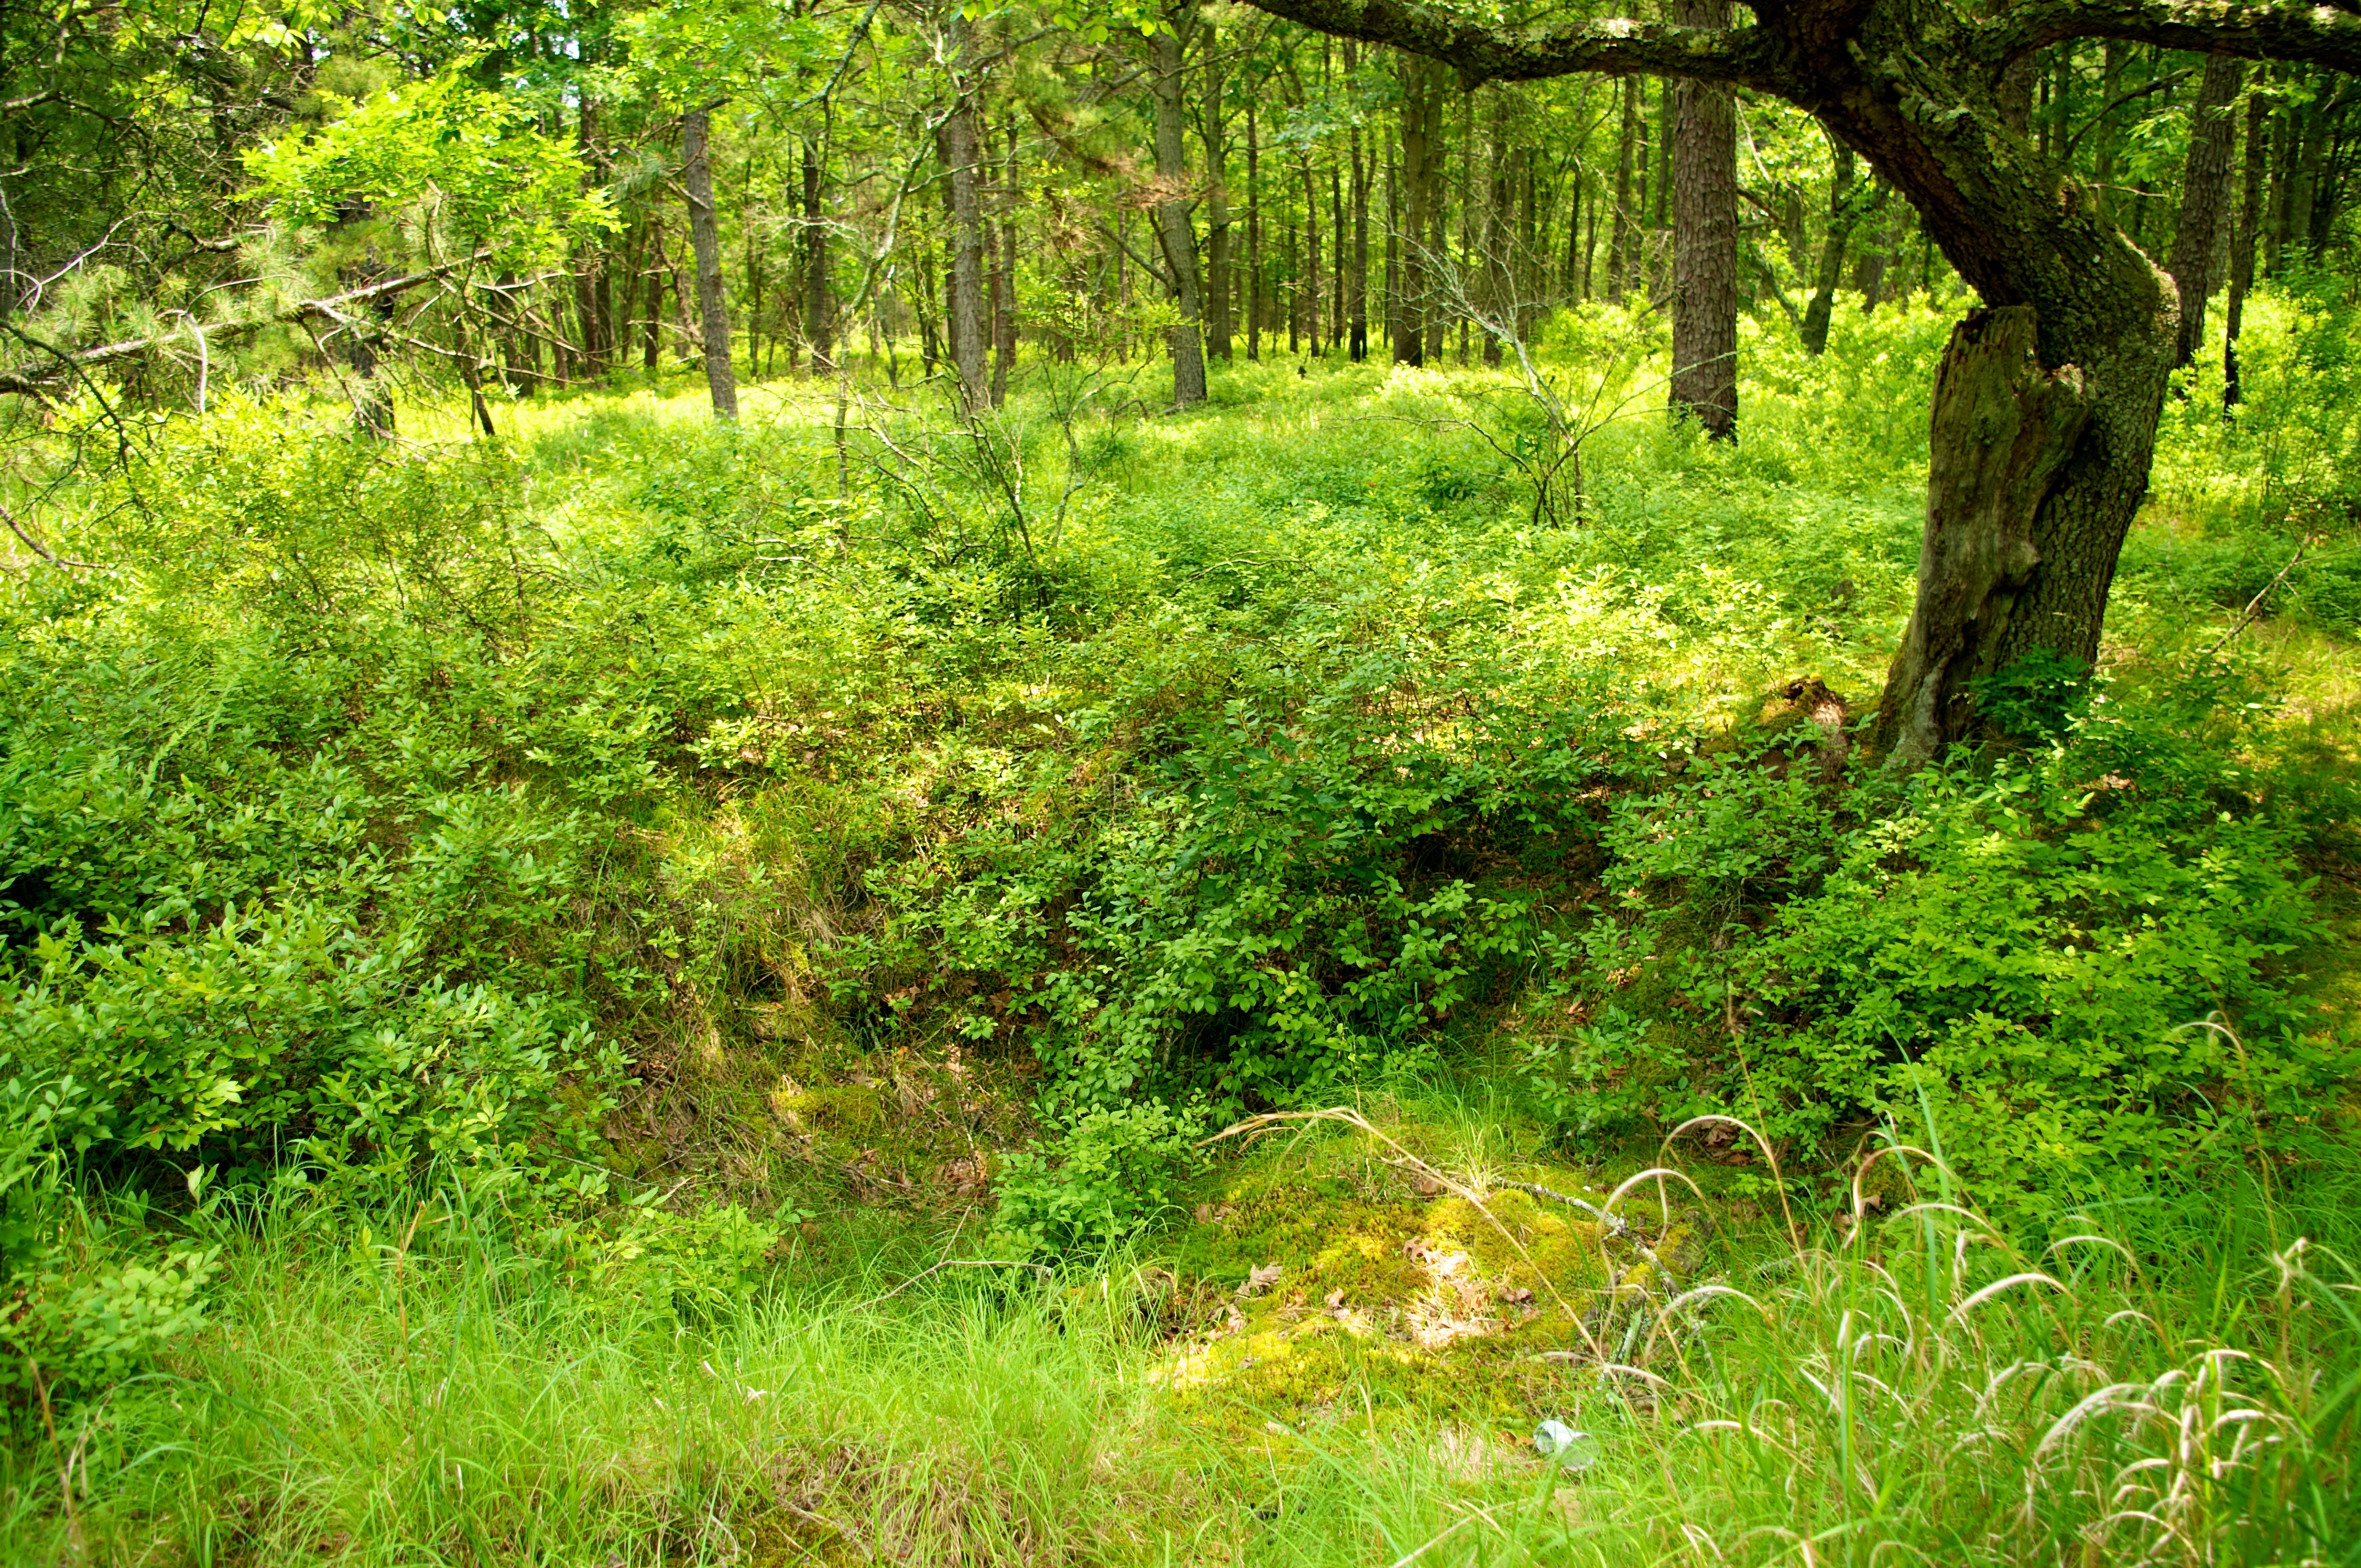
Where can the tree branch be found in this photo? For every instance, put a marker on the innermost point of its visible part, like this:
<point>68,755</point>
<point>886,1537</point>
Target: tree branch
<point>1613,47</point>
<point>83,360</point>
<point>2252,29</point>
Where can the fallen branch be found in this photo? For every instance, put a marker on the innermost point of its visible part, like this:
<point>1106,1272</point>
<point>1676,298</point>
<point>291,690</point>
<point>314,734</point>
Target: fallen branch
<point>36,382</point>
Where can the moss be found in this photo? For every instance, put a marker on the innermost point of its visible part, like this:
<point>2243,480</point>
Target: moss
<point>1388,1300</point>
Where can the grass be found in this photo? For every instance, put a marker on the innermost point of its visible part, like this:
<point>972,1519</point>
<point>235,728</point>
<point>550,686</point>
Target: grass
<point>2173,1385</point>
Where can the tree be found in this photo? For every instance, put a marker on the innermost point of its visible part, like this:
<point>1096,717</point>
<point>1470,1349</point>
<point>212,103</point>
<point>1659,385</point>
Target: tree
<point>2046,407</point>
<point>2204,197</point>
<point>1167,48</point>
<point>705,240</point>
<point>1705,241</point>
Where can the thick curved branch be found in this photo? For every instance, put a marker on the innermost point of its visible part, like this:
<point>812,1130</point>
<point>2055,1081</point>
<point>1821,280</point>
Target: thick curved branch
<point>2271,29</point>
<point>1614,47</point>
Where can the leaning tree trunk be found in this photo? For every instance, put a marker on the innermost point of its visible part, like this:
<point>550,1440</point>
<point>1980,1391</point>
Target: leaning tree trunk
<point>2002,428</point>
<point>1705,241</point>
<point>1176,236</point>
<point>1841,216</point>
<point>705,239</point>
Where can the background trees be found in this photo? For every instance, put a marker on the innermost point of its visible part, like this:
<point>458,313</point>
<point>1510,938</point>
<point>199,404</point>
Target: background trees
<point>815,189</point>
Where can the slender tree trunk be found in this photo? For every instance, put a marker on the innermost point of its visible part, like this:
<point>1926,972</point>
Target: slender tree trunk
<point>1705,241</point>
<point>1003,341</point>
<point>1498,290</point>
<point>963,297</point>
<point>1254,236</point>
<point>1421,131</point>
<point>2204,197</point>
<point>1619,244</point>
<point>1815,331</point>
<point>705,239</point>
<point>1312,270</point>
<point>1216,126</point>
<point>1338,246</point>
<point>1356,275</point>
<point>818,317</point>
<point>2242,244</point>
<point>1174,231</point>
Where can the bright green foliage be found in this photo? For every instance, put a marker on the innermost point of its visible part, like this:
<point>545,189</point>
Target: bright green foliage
<point>453,159</point>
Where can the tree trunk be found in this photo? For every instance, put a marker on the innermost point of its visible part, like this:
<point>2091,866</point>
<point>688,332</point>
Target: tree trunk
<point>1498,290</point>
<point>2003,428</point>
<point>1311,278</point>
<point>1705,241</point>
<point>818,324</point>
<point>964,302</point>
<point>1619,244</point>
<point>1217,203</point>
<point>2242,245</point>
<point>1004,321</point>
<point>1421,115</point>
<point>1254,236</point>
<point>705,239</point>
<point>2204,195</point>
<point>1356,275</point>
<point>1814,329</point>
<point>1173,229</point>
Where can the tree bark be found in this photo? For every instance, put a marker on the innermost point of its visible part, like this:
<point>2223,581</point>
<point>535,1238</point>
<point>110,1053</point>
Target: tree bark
<point>1618,243</point>
<point>705,239</point>
<point>1216,126</point>
<point>1841,216</point>
<point>2242,245</point>
<point>1254,236</point>
<point>1173,230</point>
<point>1421,129</point>
<point>819,323</point>
<point>963,297</point>
<point>2204,195</point>
<point>1705,241</point>
<point>2003,428</point>
<point>1356,275</point>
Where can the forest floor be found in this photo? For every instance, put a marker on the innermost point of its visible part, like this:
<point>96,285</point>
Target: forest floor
<point>1332,1335</point>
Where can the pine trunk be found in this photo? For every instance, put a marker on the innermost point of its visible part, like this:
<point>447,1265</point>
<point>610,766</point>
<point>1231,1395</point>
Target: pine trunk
<point>1174,232</point>
<point>705,240</point>
<point>1705,241</point>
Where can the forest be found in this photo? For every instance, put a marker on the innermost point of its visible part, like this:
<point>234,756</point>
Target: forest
<point>1306,782</point>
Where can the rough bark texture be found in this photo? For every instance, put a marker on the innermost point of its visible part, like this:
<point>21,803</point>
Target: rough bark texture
<point>1705,241</point>
<point>705,239</point>
<point>2003,428</point>
<point>2204,198</point>
<point>1173,230</point>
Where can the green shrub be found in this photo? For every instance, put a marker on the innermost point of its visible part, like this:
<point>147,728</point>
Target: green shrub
<point>2026,945</point>
<point>1109,1175</point>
